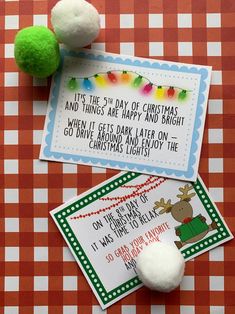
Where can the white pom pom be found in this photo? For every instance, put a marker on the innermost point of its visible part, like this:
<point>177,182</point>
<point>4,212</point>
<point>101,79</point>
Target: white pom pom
<point>160,267</point>
<point>76,23</point>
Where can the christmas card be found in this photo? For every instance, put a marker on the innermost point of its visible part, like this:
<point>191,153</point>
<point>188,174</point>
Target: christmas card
<point>108,226</point>
<point>127,113</point>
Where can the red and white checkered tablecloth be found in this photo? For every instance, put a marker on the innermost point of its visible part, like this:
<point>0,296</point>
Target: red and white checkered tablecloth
<point>37,272</point>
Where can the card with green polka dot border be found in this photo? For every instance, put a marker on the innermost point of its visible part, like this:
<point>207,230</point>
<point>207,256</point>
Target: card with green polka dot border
<point>202,231</point>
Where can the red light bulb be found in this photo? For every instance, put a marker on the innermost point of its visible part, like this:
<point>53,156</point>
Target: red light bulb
<point>170,92</point>
<point>112,77</point>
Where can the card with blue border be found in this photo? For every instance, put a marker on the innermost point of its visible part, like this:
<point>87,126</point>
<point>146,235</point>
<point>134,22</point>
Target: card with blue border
<point>127,113</point>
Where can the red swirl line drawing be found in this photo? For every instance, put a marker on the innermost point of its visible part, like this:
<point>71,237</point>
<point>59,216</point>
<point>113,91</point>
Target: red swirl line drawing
<point>120,199</point>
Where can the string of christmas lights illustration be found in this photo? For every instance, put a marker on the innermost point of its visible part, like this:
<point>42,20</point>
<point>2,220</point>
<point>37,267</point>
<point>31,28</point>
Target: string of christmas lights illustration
<point>150,184</point>
<point>139,81</point>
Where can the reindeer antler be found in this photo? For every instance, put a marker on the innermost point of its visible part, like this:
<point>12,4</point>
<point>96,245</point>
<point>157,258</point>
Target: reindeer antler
<point>166,206</point>
<point>184,190</point>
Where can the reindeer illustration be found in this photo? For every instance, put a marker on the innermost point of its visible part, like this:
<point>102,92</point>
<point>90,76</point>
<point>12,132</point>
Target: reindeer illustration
<point>192,229</point>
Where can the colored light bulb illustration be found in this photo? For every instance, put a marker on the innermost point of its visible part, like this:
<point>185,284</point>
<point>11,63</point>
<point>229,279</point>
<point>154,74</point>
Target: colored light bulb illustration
<point>125,77</point>
<point>170,92</point>
<point>131,78</point>
<point>182,95</point>
<point>159,92</point>
<point>112,77</point>
<point>73,84</point>
<point>137,81</point>
<point>87,84</point>
<point>147,88</point>
<point>100,81</point>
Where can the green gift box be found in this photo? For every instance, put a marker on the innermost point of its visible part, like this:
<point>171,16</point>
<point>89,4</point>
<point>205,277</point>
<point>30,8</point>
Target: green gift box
<point>191,229</point>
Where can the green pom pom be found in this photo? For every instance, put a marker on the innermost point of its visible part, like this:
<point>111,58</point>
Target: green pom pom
<point>37,51</point>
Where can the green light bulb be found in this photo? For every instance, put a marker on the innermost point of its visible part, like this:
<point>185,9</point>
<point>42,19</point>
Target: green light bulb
<point>182,95</point>
<point>73,84</point>
<point>137,81</point>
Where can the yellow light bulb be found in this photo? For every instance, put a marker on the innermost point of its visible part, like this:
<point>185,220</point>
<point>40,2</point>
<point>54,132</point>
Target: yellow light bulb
<point>100,81</point>
<point>159,92</point>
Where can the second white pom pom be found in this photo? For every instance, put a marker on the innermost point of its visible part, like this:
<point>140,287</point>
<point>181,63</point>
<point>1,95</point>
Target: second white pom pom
<point>160,267</point>
<point>76,22</point>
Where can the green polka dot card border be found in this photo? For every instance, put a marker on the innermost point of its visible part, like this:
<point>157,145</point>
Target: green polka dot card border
<point>105,240</point>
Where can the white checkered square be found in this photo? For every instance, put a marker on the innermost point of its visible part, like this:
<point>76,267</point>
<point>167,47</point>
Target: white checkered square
<point>127,48</point>
<point>40,196</point>
<point>217,254</point>
<point>40,166</point>
<point>156,49</point>
<point>217,194</point>
<point>11,21</point>
<point>11,310</point>
<point>69,193</point>
<point>40,283</point>
<point>40,224</point>
<point>126,20</point>
<point>70,309</point>
<point>39,107</point>
<point>187,309</point>
<point>216,309</point>
<point>69,168</point>
<point>9,51</point>
<point>216,78</point>
<point>10,108</point>
<point>96,309</point>
<point>40,309</point>
<point>40,19</point>
<point>213,20</point>
<point>184,20</point>
<point>69,283</point>
<point>155,20</point>
<point>187,283</point>
<point>215,165</point>
<point>11,166</point>
<point>185,48</point>
<point>11,254</point>
<point>98,46</point>
<point>214,49</point>
<point>215,106</point>
<point>11,196</point>
<point>11,224</point>
<point>10,137</point>
<point>128,309</point>
<point>98,170</point>
<point>67,255</point>
<point>102,20</point>
<point>11,283</point>
<point>37,137</point>
<point>215,136</point>
<point>40,253</point>
<point>216,283</point>
<point>11,79</point>
<point>158,309</point>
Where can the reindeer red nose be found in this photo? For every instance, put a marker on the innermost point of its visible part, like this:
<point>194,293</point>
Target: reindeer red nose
<point>187,220</point>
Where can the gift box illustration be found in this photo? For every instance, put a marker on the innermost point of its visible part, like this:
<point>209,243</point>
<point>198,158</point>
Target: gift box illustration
<point>192,228</point>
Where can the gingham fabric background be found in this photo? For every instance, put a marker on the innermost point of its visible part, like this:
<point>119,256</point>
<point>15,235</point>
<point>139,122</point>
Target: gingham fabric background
<point>37,272</point>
